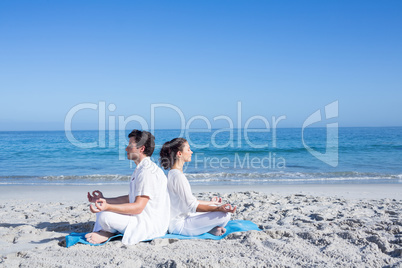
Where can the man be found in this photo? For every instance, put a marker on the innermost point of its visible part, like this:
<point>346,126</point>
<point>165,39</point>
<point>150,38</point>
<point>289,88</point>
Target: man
<point>143,214</point>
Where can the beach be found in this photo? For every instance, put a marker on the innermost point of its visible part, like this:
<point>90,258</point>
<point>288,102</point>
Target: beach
<point>354,225</point>
<point>289,111</point>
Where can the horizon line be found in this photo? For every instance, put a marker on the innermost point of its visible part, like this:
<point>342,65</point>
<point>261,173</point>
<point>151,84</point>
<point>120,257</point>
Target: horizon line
<point>59,130</point>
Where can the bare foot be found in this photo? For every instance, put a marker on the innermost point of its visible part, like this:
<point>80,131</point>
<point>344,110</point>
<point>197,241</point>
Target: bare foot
<point>218,231</point>
<point>98,237</point>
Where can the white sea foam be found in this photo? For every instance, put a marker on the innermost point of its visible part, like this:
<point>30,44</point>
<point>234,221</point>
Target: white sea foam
<point>218,178</point>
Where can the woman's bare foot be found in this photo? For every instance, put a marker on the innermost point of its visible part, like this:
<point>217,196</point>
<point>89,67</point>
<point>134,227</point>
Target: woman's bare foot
<point>218,231</point>
<point>98,237</point>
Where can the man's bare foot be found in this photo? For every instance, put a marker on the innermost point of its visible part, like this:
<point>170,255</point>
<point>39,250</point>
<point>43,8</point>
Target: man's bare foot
<point>98,237</point>
<point>218,231</point>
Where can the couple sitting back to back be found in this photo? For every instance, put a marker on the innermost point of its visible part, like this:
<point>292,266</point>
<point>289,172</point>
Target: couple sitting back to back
<point>156,204</point>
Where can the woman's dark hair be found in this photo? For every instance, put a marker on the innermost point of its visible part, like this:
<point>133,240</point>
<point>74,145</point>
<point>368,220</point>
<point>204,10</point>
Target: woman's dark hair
<point>144,138</point>
<point>169,151</point>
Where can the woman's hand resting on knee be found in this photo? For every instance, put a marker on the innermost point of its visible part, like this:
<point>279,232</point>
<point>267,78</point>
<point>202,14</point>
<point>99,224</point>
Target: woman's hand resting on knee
<point>227,208</point>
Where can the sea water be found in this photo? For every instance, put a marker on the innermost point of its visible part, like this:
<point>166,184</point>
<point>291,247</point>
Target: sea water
<point>224,156</point>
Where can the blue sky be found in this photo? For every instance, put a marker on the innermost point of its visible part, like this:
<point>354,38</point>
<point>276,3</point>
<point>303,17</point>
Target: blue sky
<point>278,58</point>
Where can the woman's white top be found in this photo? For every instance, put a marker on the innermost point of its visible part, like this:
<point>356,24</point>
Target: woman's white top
<point>182,201</point>
<point>149,180</point>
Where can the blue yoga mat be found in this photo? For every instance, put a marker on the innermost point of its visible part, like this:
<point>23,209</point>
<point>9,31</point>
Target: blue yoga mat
<point>231,227</point>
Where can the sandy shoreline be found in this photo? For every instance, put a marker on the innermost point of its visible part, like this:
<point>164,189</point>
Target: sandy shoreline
<point>302,225</point>
<point>78,192</point>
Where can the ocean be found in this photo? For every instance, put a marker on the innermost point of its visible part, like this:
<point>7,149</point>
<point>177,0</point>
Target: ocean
<point>221,156</point>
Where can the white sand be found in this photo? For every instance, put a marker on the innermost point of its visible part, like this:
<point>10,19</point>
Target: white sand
<point>303,225</point>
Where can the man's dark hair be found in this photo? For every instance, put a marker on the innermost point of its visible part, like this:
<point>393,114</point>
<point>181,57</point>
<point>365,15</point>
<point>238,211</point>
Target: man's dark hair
<point>144,138</point>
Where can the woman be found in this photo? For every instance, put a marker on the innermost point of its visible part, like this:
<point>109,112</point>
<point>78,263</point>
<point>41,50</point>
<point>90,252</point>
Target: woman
<point>189,216</point>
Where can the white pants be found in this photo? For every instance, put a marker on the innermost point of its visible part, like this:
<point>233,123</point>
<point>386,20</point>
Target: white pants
<point>111,222</point>
<point>195,224</point>
<point>202,222</point>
